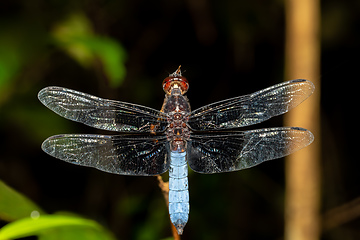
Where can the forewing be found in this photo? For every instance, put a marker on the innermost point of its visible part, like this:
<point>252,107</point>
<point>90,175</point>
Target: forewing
<point>126,155</point>
<point>102,113</point>
<point>253,108</point>
<point>232,151</point>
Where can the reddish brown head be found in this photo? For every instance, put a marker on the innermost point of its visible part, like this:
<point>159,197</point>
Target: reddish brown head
<point>175,80</point>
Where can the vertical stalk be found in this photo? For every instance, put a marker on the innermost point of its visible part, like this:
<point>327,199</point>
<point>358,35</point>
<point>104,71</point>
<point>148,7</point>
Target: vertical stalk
<point>302,60</point>
<point>164,186</point>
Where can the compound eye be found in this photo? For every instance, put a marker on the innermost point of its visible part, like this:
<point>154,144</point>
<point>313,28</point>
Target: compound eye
<point>169,82</point>
<point>184,85</point>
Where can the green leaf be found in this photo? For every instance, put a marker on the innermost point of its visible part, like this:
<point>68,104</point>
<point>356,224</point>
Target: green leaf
<point>14,205</point>
<point>55,227</point>
<point>68,34</point>
<point>112,57</point>
<point>76,233</point>
<point>75,36</point>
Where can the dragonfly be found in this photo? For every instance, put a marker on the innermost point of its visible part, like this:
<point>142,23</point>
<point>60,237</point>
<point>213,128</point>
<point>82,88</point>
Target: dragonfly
<point>150,142</point>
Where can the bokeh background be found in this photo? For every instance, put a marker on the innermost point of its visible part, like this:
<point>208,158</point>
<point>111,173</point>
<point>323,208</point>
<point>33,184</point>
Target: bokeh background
<point>123,50</point>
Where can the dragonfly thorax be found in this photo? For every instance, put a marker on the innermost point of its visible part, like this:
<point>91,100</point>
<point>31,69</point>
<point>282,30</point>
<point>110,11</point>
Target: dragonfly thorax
<point>177,108</point>
<point>178,132</point>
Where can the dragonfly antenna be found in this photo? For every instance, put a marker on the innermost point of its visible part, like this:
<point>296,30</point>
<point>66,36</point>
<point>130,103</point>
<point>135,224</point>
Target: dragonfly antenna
<point>178,71</point>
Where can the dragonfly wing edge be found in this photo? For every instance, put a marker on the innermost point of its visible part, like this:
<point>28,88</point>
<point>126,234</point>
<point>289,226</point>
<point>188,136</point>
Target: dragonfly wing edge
<point>134,155</point>
<point>232,151</point>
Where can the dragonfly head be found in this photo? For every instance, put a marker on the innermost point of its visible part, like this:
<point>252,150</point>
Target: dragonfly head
<point>175,80</point>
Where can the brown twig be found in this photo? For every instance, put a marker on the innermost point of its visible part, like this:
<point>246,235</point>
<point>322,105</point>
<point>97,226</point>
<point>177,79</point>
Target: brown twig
<point>164,186</point>
<point>342,214</point>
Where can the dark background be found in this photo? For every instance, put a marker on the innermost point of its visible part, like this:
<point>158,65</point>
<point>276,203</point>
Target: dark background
<point>226,49</point>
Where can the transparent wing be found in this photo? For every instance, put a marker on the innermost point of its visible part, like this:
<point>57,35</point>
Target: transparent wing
<point>253,108</point>
<point>232,151</point>
<point>126,155</point>
<point>102,113</point>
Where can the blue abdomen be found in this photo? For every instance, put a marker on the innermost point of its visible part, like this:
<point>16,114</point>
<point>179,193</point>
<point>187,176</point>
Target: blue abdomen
<point>178,190</point>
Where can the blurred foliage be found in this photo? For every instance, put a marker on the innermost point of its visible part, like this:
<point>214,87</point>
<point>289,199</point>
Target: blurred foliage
<point>27,219</point>
<point>18,47</point>
<point>76,37</point>
<point>13,205</point>
<point>21,47</point>
<point>55,226</point>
